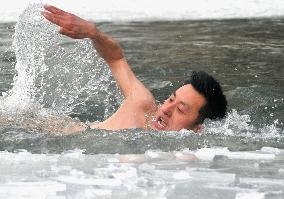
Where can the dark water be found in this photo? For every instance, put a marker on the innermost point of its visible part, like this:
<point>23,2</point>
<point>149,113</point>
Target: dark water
<point>246,56</point>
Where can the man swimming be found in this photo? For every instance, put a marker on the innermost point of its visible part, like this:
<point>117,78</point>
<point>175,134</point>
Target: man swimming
<point>199,98</point>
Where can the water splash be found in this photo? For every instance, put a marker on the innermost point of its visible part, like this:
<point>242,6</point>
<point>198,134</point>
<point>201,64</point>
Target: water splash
<point>56,73</point>
<point>236,124</point>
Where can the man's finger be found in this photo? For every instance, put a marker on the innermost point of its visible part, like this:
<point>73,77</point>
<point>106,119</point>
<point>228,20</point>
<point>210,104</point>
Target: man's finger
<point>56,19</point>
<point>51,17</point>
<point>55,10</point>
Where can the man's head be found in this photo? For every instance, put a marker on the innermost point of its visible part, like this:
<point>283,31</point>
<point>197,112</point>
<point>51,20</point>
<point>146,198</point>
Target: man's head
<point>199,98</point>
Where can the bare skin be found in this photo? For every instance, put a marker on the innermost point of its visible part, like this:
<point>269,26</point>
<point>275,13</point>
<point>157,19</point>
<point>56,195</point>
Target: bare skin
<point>178,112</point>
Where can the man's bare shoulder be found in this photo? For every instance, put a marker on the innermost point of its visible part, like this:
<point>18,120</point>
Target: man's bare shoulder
<point>131,113</point>
<point>144,100</point>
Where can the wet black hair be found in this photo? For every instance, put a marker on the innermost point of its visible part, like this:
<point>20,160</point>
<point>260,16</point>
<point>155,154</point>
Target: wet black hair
<point>216,103</point>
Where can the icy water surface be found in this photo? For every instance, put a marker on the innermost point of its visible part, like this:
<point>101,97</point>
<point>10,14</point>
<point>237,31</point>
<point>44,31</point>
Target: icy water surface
<point>49,82</point>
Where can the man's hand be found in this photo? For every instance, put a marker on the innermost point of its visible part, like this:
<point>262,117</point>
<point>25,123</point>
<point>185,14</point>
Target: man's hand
<point>70,25</point>
<point>109,49</point>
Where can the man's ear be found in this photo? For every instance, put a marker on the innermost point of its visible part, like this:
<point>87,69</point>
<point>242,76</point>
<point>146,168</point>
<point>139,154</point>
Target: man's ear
<point>197,128</point>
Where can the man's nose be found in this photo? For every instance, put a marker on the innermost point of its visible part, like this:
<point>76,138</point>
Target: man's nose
<point>168,110</point>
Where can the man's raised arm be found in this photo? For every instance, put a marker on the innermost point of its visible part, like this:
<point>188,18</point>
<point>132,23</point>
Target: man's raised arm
<point>77,28</point>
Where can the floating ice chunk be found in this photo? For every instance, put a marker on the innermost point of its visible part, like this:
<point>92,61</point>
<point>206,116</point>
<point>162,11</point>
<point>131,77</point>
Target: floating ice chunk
<point>158,155</point>
<point>208,154</point>
<point>209,177</point>
<point>182,175</point>
<point>262,181</point>
<point>270,150</point>
<point>93,193</point>
<point>252,195</point>
<point>89,181</point>
<point>31,189</point>
<point>76,154</point>
<point>250,156</point>
<point>112,160</point>
<point>152,154</point>
<point>126,173</point>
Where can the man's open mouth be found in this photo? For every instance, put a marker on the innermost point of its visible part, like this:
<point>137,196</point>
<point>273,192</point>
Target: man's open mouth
<point>161,123</point>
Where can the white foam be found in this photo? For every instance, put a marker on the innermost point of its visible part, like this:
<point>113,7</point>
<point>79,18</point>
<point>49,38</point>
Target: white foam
<point>127,10</point>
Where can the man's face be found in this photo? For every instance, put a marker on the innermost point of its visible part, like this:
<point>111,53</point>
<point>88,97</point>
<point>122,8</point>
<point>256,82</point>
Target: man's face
<point>180,110</point>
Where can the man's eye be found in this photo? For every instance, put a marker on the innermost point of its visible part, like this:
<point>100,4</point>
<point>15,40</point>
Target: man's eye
<point>179,110</point>
<point>171,100</point>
